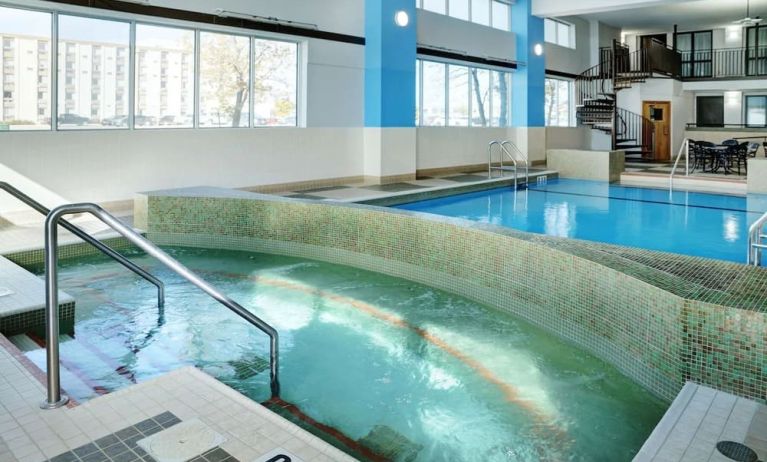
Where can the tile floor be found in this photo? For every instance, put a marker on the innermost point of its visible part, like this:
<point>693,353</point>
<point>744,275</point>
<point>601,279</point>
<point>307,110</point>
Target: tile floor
<point>29,434</point>
<point>698,419</point>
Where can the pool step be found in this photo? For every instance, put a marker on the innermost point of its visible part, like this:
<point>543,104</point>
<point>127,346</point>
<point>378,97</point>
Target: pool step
<point>391,444</point>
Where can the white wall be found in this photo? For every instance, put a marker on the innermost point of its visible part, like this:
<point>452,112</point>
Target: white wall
<point>568,138</point>
<point>549,8</point>
<point>439,30</point>
<point>109,166</point>
<point>571,60</point>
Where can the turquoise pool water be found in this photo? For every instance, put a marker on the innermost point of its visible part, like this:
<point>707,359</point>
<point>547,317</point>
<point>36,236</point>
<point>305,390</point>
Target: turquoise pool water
<point>698,224</point>
<point>368,354</point>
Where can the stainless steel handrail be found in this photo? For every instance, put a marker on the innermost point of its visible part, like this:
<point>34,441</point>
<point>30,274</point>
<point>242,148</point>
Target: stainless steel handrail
<point>103,248</point>
<point>755,238</point>
<point>686,149</point>
<point>490,167</point>
<point>524,158</point>
<point>55,398</point>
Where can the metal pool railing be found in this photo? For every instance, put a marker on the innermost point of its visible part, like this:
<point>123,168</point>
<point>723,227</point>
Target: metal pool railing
<point>757,240</point>
<point>55,398</point>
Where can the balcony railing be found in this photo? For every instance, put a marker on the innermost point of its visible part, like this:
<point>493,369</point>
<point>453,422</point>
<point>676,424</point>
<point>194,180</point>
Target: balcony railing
<point>724,63</point>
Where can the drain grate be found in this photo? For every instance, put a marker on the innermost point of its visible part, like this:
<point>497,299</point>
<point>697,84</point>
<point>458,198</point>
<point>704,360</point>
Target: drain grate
<point>737,451</point>
<point>250,367</point>
<point>391,445</point>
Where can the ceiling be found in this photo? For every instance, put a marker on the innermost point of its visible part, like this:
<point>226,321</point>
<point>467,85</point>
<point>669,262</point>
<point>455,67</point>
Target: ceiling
<point>699,14</point>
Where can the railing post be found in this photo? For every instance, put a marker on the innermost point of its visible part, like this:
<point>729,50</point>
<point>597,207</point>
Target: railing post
<point>686,157</point>
<point>55,398</point>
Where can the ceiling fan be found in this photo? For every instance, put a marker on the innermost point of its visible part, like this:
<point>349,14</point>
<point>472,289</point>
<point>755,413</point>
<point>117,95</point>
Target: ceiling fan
<point>748,20</point>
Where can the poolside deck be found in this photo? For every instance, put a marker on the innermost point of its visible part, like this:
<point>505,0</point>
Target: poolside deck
<point>698,419</point>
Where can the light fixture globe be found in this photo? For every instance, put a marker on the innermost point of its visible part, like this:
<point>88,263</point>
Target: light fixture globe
<point>401,18</point>
<point>538,49</point>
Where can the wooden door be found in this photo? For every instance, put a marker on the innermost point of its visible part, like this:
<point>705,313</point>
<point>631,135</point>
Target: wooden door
<point>659,113</point>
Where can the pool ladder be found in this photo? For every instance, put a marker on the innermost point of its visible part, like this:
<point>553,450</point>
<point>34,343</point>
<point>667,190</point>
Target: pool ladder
<point>757,240</point>
<point>55,398</point>
<point>502,150</point>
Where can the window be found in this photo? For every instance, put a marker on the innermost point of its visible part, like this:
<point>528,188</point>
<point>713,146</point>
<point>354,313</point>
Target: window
<point>709,111</point>
<point>559,32</point>
<point>22,32</point>
<point>91,100</point>
<point>756,111</point>
<point>501,15</point>
<point>459,9</point>
<point>224,80</point>
<point>461,96</point>
<point>276,83</point>
<point>695,48</point>
<point>433,94</point>
<point>756,50</point>
<point>558,100</point>
<point>437,6</point>
<point>494,13</point>
<point>165,84</point>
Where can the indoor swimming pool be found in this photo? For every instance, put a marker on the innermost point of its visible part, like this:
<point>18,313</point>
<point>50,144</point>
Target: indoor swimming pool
<point>689,223</point>
<point>392,364</point>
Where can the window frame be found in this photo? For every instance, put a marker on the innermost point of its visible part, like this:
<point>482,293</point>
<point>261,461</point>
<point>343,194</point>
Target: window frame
<point>692,53</point>
<point>570,33</point>
<point>746,99</point>
<point>508,3</point>
<point>492,70</point>
<point>197,28</point>
<point>571,119</point>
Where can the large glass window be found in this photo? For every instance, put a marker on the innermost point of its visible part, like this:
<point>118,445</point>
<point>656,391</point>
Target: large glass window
<point>276,83</point>
<point>164,77</point>
<point>756,111</point>
<point>458,96</point>
<point>224,80</point>
<point>25,69</point>
<point>709,111</point>
<point>695,48</point>
<point>93,73</point>
<point>495,13</point>
<point>559,32</point>
<point>756,53</point>
<point>558,100</point>
<point>476,97</point>
<point>459,9</point>
<point>433,94</point>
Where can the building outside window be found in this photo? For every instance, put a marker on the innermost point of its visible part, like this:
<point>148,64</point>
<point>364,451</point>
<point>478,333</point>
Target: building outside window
<point>559,32</point>
<point>25,69</point>
<point>492,13</point>
<point>224,80</point>
<point>559,110</point>
<point>91,93</point>
<point>709,111</point>
<point>462,96</point>
<point>756,111</point>
<point>275,90</point>
<point>695,48</point>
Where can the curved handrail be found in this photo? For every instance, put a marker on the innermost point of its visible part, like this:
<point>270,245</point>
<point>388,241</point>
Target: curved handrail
<point>103,248</point>
<point>55,398</point>
<point>755,246</point>
<point>490,161</point>
<point>524,158</point>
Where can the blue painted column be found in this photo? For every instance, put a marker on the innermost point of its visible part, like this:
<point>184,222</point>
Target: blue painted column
<point>390,54</point>
<point>529,79</point>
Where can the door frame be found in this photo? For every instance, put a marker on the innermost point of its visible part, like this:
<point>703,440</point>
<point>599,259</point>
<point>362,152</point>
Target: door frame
<point>668,118</point>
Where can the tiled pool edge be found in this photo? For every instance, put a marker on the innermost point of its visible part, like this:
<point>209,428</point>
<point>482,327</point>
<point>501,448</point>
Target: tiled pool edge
<point>652,335</point>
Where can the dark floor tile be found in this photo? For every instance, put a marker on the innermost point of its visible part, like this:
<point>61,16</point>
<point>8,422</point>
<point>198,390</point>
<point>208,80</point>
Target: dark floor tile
<point>144,424</point>
<point>106,441</point>
<point>165,417</point>
<point>393,187</point>
<point>169,423</point>
<point>326,188</point>
<point>151,430</point>
<point>216,455</point>
<point>66,457</point>
<point>95,457</point>
<point>115,449</point>
<point>132,442</point>
<point>303,196</point>
<point>127,433</point>
<point>85,450</point>
<point>465,178</point>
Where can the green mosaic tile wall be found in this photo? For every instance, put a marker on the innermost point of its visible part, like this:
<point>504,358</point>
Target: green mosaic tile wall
<point>34,321</point>
<point>650,314</point>
<point>34,257</point>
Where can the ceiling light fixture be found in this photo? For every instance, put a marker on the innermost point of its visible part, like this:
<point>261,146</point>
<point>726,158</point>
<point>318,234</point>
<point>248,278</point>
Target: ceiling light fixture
<point>222,13</point>
<point>401,18</point>
<point>748,21</point>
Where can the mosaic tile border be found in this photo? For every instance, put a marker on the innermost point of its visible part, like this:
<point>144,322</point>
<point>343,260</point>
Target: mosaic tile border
<point>662,319</point>
<point>122,446</point>
<point>28,258</point>
<point>34,321</point>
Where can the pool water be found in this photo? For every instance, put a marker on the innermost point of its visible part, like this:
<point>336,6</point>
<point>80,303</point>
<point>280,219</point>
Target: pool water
<point>689,223</point>
<point>368,354</point>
